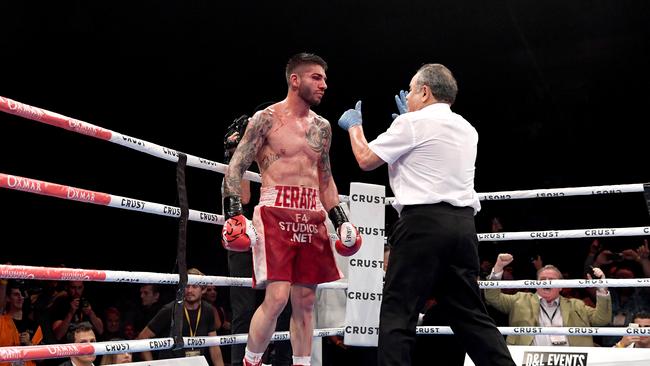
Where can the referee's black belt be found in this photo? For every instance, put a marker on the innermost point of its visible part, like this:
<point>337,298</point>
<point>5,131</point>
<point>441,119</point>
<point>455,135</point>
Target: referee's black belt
<point>440,207</point>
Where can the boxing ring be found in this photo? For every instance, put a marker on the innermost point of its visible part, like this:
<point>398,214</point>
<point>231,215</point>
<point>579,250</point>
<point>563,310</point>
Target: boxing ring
<point>366,204</point>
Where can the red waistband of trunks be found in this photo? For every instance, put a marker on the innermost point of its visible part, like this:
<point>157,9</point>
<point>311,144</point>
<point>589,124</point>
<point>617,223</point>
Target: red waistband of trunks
<point>299,197</point>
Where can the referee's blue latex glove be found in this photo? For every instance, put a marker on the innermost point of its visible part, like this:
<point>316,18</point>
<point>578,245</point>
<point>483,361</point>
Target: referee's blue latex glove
<point>400,101</point>
<point>351,117</point>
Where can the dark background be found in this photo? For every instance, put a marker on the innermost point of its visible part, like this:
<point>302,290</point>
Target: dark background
<point>558,91</point>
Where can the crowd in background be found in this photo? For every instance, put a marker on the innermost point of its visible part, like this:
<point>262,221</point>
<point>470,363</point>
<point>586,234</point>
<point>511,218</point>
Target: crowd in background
<point>47,312</point>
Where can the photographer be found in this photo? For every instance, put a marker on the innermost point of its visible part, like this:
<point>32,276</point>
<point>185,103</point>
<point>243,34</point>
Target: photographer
<point>73,308</point>
<point>16,329</point>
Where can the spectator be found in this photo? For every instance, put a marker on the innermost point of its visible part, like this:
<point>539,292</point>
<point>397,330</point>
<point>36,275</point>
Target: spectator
<point>16,329</point>
<point>222,325</point>
<point>40,301</point>
<point>81,332</point>
<point>210,295</point>
<point>116,358</point>
<point>640,320</point>
<point>149,306</point>
<point>626,301</point>
<point>111,359</point>
<point>546,308</point>
<point>73,308</point>
<point>485,268</point>
<point>198,320</point>
<point>577,293</point>
<point>112,324</point>
<point>129,331</point>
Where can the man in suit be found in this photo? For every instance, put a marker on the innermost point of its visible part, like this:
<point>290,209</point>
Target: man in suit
<point>546,308</point>
<point>80,333</point>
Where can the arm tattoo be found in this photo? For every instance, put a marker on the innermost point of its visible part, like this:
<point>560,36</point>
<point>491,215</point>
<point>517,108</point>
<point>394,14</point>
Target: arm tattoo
<point>319,138</point>
<point>246,151</point>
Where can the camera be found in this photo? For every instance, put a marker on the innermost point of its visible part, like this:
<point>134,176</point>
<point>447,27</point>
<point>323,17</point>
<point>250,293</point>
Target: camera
<point>237,126</point>
<point>83,302</point>
<point>590,271</point>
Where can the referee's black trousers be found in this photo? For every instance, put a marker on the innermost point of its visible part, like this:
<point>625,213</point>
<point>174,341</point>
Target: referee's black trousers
<point>435,251</point>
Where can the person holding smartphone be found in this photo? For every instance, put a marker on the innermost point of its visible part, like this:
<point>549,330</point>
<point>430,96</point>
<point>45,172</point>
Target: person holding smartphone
<point>635,340</point>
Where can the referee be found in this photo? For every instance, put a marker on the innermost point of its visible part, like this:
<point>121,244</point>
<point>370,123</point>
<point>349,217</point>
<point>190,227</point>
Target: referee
<point>430,152</point>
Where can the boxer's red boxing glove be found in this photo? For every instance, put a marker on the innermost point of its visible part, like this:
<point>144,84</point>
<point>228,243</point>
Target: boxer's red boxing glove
<point>349,240</point>
<point>238,233</point>
<point>246,363</point>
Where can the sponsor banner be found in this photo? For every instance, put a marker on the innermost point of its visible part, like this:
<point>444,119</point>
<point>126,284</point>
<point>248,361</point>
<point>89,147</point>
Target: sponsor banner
<point>50,273</point>
<point>328,332</point>
<point>428,330</point>
<point>51,118</point>
<point>576,356</point>
<point>116,347</point>
<point>207,217</point>
<point>158,344</point>
<point>52,189</point>
<point>85,128</point>
<point>84,195</point>
<point>20,109</point>
<point>365,270</point>
<point>141,277</point>
<point>557,358</point>
<point>132,141</point>
<point>8,354</point>
<point>218,281</point>
<point>163,210</point>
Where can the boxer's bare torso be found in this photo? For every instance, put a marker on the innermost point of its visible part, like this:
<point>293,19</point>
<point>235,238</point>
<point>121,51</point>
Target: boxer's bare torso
<point>293,147</point>
<point>289,149</point>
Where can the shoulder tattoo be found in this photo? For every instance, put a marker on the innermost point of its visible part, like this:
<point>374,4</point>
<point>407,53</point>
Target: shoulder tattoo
<point>319,138</point>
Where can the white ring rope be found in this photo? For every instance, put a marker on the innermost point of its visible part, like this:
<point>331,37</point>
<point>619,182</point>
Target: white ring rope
<point>105,199</point>
<point>76,274</point>
<point>568,331</point>
<point>561,192</point>
<point>44,116</point>
<point>607,282</point>
<point>10,354</point>
<point>547,193</point>
<point>51,118</point>
<point>565,234</point>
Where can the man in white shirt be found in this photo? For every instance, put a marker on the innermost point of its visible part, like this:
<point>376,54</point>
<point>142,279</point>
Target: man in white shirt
<point>430,152</point>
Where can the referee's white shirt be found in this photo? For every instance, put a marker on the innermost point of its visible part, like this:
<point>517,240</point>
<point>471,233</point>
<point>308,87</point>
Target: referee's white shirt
<point>430,155</point>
